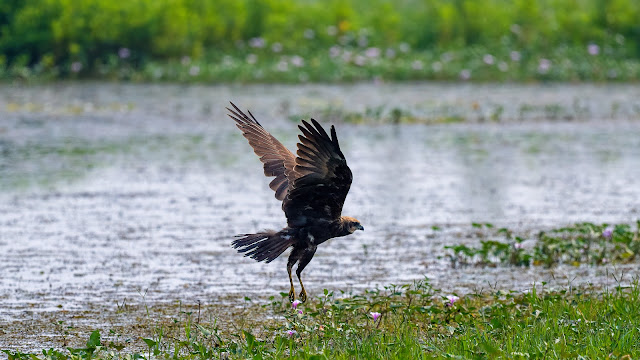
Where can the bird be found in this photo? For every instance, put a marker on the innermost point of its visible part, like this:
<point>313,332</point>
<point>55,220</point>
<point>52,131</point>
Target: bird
<point>312,185</point>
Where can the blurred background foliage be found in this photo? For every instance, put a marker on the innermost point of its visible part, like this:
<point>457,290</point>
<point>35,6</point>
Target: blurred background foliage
<point>53,34</point>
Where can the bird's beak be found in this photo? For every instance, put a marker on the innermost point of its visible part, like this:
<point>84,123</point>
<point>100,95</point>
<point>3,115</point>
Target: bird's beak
<point>360,227</point>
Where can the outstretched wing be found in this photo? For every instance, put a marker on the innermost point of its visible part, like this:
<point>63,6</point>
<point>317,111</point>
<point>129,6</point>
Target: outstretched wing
<point>277,159</point>
<point>322,178</point>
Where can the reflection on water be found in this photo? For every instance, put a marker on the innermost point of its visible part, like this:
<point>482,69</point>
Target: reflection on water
<point>112,190</point>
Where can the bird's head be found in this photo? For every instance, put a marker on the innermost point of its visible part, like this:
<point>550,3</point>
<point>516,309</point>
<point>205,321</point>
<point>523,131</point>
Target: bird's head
<point>351,224</point>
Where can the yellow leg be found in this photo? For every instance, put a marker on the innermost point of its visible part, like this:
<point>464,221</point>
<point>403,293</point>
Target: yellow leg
<point>303,292</point>
<point>292,293</point>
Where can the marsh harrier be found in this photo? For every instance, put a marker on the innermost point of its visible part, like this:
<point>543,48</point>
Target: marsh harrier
<point>312,187</point>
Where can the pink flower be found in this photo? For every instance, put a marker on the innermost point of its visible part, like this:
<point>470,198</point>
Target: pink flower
<point>124,53</point>
<point>544,66</point>
<point>517,245</point>
<point>452,299</point>
<point>375,316</point>
<point>488,59</point>
<point>291,333</point>
<point>608,232</point>
<point>465,74</point>
<point>295,304</point>
<point>300,312</point>
<point>372,52</point>
<point>593,49</point>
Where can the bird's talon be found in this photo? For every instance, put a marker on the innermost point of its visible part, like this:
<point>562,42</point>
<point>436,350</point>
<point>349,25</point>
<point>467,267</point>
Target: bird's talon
<point>292,296</point>
<point>303,296</point>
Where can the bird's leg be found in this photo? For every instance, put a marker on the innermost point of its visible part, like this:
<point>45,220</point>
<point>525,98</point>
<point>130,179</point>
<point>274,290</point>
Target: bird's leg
<point>306,257</point>
<point>292,293</point>
<point>303,292</point>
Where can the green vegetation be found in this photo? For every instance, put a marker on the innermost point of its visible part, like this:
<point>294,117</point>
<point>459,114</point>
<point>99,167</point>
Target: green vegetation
<point>299,41</point>
<point>582,243</point>
<point>400,322</point>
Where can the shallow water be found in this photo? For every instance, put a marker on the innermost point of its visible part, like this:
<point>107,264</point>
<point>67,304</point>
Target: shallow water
<point>129,193</point>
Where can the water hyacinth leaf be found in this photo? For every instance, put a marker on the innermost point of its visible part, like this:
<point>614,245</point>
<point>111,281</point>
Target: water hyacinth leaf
<point>94,340</point>
<point>150,342</point>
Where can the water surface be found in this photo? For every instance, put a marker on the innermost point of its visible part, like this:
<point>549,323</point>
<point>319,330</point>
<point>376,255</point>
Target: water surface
<point>128,193</point>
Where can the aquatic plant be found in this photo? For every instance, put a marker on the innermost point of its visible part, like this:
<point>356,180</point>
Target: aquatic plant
<point>583,243</point>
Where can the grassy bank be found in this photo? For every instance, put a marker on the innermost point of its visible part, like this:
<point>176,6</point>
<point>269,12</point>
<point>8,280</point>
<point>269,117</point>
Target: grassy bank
<point>398,322</point>
<point>284,41</point>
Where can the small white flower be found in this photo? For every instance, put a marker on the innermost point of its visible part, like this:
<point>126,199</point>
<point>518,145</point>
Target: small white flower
<point>283,66</point>
<point>309,34</point>
<point>488,59</point>
<point>257,42</point>
<point>417,65</point>
<point>390,53</point>
<point>276,47</point>
<point>372,52</point>
<point>334,51</point>
<point>465,74</point>
<point>124,53</point>
<point>515,55</point>
<point>76,66</point>
<point>297,61</point>
<point>544,66</point>
<point>363,41</point>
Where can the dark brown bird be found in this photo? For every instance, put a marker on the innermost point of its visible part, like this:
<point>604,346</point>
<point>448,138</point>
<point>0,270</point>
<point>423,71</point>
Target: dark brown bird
<point>312,187</point>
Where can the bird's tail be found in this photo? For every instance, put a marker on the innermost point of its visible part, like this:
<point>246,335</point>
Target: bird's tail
<point>263,246</point>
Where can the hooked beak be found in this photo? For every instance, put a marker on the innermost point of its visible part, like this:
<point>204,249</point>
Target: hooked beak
<point>360,227</point>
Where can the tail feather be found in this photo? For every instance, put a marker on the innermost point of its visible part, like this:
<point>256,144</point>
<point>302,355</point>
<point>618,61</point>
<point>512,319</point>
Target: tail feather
<point>263,246</point>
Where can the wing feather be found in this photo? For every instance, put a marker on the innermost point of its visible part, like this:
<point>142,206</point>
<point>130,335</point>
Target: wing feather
<point>322,178</point>
<point>277,159</point>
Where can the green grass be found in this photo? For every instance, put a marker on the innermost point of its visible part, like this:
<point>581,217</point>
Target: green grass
<point>417,321</point>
